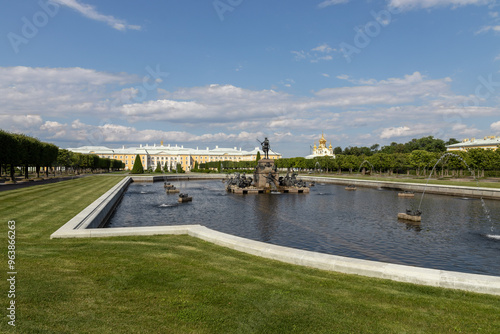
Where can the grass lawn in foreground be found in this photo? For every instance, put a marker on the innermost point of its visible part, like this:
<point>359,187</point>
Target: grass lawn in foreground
<point>179,284</point>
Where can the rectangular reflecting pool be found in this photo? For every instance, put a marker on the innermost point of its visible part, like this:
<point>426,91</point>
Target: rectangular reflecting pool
<point>455,233</point>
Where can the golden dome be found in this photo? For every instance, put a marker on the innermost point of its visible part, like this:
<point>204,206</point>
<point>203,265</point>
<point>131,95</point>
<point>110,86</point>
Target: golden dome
<point>322,140</point>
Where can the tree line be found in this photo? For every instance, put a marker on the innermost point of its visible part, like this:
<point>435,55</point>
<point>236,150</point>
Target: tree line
<point>224,165</point>
<point>418,162</point>
<point>79,162</point>
<point>20,152</point>
<point>429,144</point>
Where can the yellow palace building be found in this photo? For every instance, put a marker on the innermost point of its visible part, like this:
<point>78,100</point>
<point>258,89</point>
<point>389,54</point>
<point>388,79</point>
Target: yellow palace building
<point>170,156</point>
<point>487,143</point>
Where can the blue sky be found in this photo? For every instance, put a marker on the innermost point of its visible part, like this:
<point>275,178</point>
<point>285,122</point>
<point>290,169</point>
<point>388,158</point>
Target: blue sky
<point>225,72</point>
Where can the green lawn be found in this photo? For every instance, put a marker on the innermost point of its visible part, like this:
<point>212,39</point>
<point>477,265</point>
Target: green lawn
<point>179,284</point>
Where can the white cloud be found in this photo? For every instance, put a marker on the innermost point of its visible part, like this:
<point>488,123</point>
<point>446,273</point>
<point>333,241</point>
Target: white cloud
<point>418,129</point>
<point>20,122</point>
<point>80,134</point>
<point>55,104</point>
<point>288,82</point>
<point>391,91</point>
<point>325,48</point>
<point>212,103</point>
<point>299,55</point>
<point>417,4</point>
<point>485,29</point>
<point>328,3</point>
<point>56,91</point>
<point>321,52</point>
<point>56,129</point>
<point>495,126</point>
<point>394,132</point>
<point>91,13</point>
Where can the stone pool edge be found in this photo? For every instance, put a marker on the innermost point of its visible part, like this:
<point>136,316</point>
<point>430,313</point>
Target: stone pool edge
<point>462,191</point>
<point>84,225</point>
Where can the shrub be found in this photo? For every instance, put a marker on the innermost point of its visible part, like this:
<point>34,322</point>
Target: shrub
<point>137,169</point>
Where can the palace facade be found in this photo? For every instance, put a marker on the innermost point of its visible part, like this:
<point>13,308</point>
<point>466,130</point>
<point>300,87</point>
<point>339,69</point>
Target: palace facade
<point>487,143</point>
<point>321,150</point>
<point>170,156</point>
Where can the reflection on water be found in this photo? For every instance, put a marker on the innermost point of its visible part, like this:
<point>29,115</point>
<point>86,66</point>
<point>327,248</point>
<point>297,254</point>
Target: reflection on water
<point>454,233</point>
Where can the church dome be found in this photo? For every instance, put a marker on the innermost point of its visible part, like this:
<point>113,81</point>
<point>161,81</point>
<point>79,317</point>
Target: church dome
<point>322,141</point>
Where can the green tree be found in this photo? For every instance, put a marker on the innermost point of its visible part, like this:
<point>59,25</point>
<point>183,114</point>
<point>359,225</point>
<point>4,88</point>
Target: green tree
<point>327,163</point>
<point>451,141</point>
<point>374,148</point>
<point>137,169</point>
<point>419,159</point>
<point>258,156</point>
<point>429,144</point>
<point>9,151</point>
<point>29,151</point>
<point>339,160</point>
<point>158,168</point>
<point>48,157</point>
<point>350,162</point>
<point>400,161</point>
<point>480,159</point>
<point>179,169</point>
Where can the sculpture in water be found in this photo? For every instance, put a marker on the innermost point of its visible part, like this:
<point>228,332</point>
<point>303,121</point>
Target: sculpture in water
<point>265,147</point>
<point>266,178</point>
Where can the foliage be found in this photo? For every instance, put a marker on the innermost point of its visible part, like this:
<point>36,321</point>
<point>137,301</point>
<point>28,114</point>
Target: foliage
<point>158,168</point>
<point>22,150</point>
<point>179,169</point>
<point>137,169</point>
<point>418,161</point>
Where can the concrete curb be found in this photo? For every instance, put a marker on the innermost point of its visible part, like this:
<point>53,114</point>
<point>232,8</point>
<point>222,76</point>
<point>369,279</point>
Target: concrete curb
<point>415,275</point>
<point>84,225</point>
<point>96,213</point>
<point>174,177</point>
<point>486,193</point>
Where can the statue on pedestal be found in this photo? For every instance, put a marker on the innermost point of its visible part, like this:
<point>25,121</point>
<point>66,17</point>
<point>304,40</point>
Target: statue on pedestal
<point>265,147</point>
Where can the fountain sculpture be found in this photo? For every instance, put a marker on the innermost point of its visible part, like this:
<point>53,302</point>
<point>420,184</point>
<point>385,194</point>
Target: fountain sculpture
<point>415,215</point>
<point>266,178</point>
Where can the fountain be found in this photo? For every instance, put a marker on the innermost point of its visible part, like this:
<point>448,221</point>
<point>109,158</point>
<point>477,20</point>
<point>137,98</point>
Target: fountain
<point>364,173</point>
<point>412,215</point>
<point>316,166</point>
<point>406,193</point>
<point>266,179</point>
<point>327,221</point>
<point>415,215</point>
<point>183,198</point>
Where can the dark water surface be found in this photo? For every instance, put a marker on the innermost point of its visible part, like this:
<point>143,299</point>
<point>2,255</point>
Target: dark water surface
<point>453,234</point>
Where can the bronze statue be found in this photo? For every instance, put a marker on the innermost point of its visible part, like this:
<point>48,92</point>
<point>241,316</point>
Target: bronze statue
<point>265,147</point>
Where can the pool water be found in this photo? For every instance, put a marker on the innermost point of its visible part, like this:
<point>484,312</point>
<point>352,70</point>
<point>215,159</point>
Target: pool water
<point>454,234</point>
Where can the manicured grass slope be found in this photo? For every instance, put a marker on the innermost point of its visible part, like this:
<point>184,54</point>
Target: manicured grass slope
<point>178,284</point>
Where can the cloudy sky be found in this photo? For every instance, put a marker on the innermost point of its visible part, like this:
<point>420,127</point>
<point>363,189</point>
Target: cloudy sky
<point>226,72</point>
